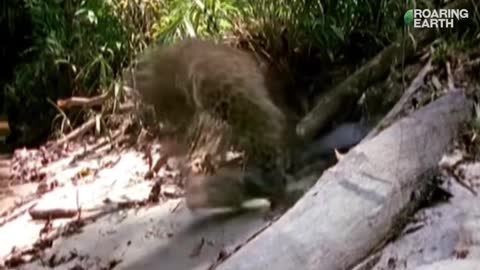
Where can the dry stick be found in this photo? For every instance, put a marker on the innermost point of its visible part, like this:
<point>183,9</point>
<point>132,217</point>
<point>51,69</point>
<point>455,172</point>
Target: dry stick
<point>54,213</point>
<point>451,85</point>
<point>77,132</point>
<point>397,110</point>
<point>364,200</point>
<point>126,107</point>
<point>87,213</point>
<point>92,101</point>
<point>83,101</point>
<point>93,214</point>
<point>88,102</point>
<point>333,101</point>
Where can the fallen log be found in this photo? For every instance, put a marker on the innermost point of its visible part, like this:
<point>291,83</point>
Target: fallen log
<point>333,101</point>
<point>359,204</point>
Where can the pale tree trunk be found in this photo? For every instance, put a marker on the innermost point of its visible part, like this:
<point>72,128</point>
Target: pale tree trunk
<point>362,201</point>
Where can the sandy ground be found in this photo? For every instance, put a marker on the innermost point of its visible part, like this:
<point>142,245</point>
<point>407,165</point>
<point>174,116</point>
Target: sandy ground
<point>136,238</point>
<point>169,236</point>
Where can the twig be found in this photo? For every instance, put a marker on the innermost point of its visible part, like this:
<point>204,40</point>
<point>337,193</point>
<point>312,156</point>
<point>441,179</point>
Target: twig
<point>58,212</point>
<point>17,257</point>
<point>92,101</point>
<point>77,132</point>
<point>55,213</point>
<point>451,85</point>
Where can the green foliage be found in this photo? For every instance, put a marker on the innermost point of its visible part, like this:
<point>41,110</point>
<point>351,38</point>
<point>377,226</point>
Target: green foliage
<point>139,18</point>
<point>324,25</point>
<point>81,46</point>
<point>463,38</point>
<point>78,44</point>
<point>301,23</point>
<point>196,18</point>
